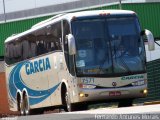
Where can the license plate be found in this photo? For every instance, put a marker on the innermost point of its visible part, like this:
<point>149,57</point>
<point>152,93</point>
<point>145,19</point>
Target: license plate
<point>114,93</point>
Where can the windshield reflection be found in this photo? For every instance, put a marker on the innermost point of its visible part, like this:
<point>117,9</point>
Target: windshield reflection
<point>108,46</point>
<point>126,45</point>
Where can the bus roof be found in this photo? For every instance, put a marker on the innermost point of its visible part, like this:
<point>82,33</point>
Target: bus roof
<point>68,16</point>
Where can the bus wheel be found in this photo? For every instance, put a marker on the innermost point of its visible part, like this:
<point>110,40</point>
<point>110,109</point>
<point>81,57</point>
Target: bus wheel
<point>125,103</point>
<point>69,105</point>
<point>21,107</point>
<point>26,105</point>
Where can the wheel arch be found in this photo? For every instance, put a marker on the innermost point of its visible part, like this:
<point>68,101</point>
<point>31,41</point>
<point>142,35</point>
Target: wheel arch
<point>64,87</point>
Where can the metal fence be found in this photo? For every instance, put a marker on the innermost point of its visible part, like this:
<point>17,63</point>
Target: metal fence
<point>153,73</point>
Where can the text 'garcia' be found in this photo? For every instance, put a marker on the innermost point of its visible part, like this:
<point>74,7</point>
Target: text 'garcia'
<point>37,66</point>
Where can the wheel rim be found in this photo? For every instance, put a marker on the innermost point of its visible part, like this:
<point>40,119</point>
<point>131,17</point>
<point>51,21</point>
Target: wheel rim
<point>21,108</point>
<point>26,107</point>
<point>67,102</point>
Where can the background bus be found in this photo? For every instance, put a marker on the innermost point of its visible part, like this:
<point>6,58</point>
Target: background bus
<point>77,58</point>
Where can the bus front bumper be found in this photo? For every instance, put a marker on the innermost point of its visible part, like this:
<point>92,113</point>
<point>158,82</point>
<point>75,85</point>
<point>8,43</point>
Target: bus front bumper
<point>112,94</point>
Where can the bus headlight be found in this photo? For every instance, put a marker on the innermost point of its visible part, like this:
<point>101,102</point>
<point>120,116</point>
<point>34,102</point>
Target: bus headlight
<point>145,91</point>
<point>138,83</point>
<point>87,86</point>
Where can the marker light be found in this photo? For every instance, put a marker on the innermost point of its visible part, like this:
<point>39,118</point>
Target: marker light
<point>104,14</point>
<point>74,18</point>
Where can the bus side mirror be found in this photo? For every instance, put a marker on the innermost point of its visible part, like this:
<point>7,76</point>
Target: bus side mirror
<point>150,39</point>
<point>71,44</point>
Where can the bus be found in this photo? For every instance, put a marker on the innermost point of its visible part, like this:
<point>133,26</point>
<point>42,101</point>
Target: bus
<point>74,59</point>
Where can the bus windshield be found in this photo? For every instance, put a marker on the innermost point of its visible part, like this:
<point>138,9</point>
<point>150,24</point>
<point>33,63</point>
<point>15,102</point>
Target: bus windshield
<point>108,46</point>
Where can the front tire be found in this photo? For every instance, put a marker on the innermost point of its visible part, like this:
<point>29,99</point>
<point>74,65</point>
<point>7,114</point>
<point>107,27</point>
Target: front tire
<point>73,106</point>
<point>69,106</point>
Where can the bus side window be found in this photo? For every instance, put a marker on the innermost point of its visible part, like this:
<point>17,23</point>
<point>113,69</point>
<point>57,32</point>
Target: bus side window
<point>17,51</point>
<point>33,48</point>
<point>66,31</point>
<point>11,53</point>
<point>50,46</point>
<point>41,48</point>
<point>57,46</point>
<point>25,47</point>
<point>14,51</point>
<point>68,58</point>
<point>41,40</point>
<point>32,45</point>
<point>7,53</point>
<point>57,35</point>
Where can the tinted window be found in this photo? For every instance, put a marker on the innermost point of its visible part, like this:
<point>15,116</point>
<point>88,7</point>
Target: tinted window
<point>66,31</point>
<point>42,41</point>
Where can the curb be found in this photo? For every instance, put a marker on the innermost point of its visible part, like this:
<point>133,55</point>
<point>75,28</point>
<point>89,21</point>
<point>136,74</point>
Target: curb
<point>152,103</point>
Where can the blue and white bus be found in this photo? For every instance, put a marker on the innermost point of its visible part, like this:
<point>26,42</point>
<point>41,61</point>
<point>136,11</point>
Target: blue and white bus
<point>74,59</point>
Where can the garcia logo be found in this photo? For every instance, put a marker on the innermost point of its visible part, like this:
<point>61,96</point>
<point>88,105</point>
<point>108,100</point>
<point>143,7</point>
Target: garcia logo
<point>132,77</point>
<point>37,66</point>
